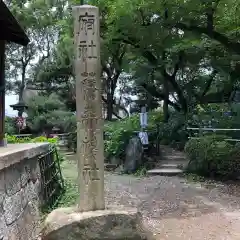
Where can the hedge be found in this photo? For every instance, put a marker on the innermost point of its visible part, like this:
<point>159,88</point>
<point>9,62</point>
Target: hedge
<point>212,156</point>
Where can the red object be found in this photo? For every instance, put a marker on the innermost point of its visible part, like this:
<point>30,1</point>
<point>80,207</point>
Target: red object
<point>20,121</point>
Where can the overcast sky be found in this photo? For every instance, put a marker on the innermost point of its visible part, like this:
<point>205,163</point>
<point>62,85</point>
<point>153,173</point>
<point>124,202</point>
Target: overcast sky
<point>9,100</point>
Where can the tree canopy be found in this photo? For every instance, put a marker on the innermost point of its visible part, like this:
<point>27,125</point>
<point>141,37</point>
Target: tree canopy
<point>179,53</point>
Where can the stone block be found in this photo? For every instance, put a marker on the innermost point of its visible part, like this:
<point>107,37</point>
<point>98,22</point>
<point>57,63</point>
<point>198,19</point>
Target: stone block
<point>13,233</point>
<point>2,187</point>
<point>24,198</point>
<point>30,192</point>
<point>3,227</point>
<point>35,173</point>
<point>134,155</point>
<point>37,186</point>
<point>34,210</point>
<point>12,179</point>
<point>30,224</point>
<point>12,207</point>
<point>25,173</point>
<point>22,228</point>
<point>111,224</point>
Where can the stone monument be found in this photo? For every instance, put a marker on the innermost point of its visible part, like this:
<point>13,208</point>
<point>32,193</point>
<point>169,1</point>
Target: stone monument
<point>90,220</point>
<point>90,149</point>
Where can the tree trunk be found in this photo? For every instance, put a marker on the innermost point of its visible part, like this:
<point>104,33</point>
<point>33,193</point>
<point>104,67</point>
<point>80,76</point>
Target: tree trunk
<point>110,103</point>
<point>165,101</point>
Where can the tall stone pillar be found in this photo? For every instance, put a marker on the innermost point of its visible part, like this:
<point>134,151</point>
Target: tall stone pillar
<point>91,220</point>
<point>90,146</point>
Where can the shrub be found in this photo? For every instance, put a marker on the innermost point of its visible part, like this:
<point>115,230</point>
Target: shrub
<point>118,133</point>
<point>15,139</point>
<point>212,156</point>
<point>174,132</point>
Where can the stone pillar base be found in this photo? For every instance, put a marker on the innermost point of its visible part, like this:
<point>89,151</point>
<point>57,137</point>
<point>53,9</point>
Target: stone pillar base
<point>3,143</point>
<point>110,224</point>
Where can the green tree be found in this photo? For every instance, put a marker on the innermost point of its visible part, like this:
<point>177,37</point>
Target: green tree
<point>46,112</point>
<point>38,19</point>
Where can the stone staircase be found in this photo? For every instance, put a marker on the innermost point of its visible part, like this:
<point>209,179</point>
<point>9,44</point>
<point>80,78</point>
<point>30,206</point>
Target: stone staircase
<point>171,163</point>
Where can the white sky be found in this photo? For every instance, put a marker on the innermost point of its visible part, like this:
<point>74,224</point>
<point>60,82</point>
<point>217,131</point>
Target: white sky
<point>9,100</point>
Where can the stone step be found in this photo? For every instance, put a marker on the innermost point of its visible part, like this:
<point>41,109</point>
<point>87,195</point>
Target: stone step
<point>169,165</point>
<point>63,149</point>
<point>165,171</point>
<point>110,166</point>
<point>69,153</point>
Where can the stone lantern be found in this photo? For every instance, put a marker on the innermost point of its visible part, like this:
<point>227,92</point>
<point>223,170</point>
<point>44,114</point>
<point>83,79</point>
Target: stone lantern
<point>20,107</point>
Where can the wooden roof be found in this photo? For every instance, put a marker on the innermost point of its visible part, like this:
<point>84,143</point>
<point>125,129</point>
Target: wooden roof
<point>11,31</point>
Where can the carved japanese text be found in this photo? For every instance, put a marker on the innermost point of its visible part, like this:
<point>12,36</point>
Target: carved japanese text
<point>87,23</point>
<point>86,51</point>
<point>90,175</point>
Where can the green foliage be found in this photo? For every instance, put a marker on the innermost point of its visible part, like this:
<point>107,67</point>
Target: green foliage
<point>214,116</point>
<point>212,156</point>
<point>10,125</point>
<point>119,133</point>
<point>173,132</point>
<point>16,139</point>
<point>46,112</point>
<point>70,176</point>
<point>141,172</point>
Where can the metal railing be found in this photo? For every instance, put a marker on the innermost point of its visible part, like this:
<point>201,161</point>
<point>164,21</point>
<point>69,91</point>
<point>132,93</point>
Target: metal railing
<point>214,130</point>
<point>52,184</point>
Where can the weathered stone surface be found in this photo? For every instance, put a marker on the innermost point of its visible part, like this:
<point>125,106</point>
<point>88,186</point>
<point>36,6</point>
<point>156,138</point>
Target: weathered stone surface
<point>134,155</point>
<point>112,224</point>
<point>2,188</point>
<point>90,149</point>
<point>12,179</point>
<point>22,228</point>
<point>15,153</point>
<point>37,186</point>
<point>29,224</point>
<point>34,211</point>
<point>30,192</point>
<point>24,197</point>
<point>25,174</point>
<point>12,207</point>
<point>12,233</point>
<point>35,171</point>
<point>3,227</point>
<point>20,190</point>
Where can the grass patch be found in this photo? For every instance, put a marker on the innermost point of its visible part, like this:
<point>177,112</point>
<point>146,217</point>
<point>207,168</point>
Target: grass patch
<point>141,172</point>
<point>70,196</point>
<point>70,175</point>
<point>191,177</point>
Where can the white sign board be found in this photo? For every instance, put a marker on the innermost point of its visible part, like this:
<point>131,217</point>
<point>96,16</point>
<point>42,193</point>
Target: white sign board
<point>143,137</point>
<point>143,120</point>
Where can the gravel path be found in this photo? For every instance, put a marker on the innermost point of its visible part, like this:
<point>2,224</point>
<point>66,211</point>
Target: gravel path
<point>174,209</point>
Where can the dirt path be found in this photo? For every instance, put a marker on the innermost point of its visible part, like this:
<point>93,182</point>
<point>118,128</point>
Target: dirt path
<point>174,209</point>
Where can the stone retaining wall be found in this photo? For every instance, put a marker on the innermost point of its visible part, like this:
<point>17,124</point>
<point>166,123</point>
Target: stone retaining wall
<point>20,188</point>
